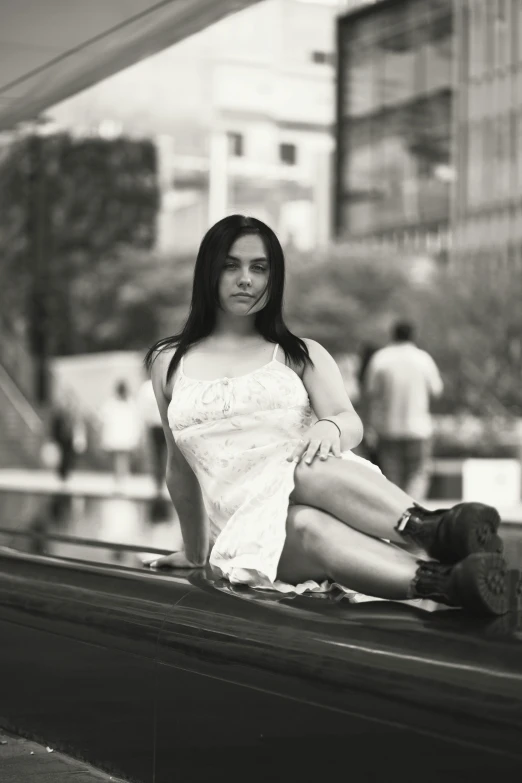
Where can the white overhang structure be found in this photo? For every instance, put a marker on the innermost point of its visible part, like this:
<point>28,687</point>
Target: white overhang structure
<point>52,49</point>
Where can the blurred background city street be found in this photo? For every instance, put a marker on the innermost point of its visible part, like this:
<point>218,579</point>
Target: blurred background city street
<point>382,141</point>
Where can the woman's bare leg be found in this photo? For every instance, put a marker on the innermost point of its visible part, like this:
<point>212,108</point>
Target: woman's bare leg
<point>318,546</point>
<point>354,493</point>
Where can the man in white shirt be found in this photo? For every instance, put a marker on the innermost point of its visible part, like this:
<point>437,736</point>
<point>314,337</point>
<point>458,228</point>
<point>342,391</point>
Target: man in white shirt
<point>401,380</point>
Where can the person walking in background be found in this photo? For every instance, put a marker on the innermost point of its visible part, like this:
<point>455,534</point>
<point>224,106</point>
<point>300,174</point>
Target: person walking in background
<point>120,429</point>
<point>62,434</point>
<point>156,438</point>
<point>157,445</point>
<point>400,381</point>
<point>67,432</point>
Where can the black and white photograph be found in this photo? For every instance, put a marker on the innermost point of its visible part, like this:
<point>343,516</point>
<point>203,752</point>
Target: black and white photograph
<point>260,391</point>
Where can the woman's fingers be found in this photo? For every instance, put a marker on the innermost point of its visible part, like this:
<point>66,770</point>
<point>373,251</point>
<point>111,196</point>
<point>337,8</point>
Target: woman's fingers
<point>309,449</point>
<point>298,451</point>
<point>324,451</point>
<point>174,560</point>
<point>336,448</point>
<point>312,450</point>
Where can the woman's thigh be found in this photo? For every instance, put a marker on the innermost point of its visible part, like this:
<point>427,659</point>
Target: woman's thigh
<point>298,561</point>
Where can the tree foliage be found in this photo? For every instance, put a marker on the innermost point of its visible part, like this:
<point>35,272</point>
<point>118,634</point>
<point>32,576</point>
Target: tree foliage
<point>469,320</point>
<point>472,324</point>
<point>100,198</point>
<point>343,298</point>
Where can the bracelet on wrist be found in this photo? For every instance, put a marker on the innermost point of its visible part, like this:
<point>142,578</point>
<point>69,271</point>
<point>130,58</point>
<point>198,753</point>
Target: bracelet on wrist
<point>331,422</point>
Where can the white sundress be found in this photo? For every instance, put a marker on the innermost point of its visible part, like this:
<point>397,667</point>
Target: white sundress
<point>236,434</point>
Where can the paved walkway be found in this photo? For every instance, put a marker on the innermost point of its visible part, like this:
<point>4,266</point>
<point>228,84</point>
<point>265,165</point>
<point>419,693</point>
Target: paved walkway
<point>22,761</point>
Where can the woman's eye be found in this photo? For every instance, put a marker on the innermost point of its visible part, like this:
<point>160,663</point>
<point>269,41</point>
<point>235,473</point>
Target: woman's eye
<point>256,267</point>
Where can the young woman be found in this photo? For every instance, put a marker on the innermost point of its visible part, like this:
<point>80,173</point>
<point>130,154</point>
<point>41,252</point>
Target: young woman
<point>265,494</point>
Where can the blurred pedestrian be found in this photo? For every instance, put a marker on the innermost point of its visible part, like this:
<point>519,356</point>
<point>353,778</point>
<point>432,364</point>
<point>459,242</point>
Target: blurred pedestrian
<point>151,421</point>
<point>152,425</point>
<point>120,429</point>
<point>66,432</point>
<point>400,381</point>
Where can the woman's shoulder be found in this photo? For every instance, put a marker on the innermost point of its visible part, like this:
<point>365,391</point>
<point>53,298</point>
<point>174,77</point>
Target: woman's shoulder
<point>316,350</point>
<point>299,366</point>
<point>160,361</point>
<point>322,359</point>
<point>312,345</point>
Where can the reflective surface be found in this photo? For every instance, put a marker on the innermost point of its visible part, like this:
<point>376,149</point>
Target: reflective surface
<point>395,102</point>
<point>114,519</point>
<point>266,682</point>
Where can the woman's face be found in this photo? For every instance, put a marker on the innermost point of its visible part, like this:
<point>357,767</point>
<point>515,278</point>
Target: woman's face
<point>245,270</point>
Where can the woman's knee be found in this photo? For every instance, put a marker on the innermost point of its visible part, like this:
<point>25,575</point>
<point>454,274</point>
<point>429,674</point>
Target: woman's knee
<point>306,524</point>
<point>299,558</point>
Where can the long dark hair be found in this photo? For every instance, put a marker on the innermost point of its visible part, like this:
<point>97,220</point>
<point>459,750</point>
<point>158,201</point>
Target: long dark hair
<point>205,297</point>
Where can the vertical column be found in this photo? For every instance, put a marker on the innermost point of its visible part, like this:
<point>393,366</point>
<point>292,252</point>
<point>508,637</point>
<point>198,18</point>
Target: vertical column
<point>218,177</point>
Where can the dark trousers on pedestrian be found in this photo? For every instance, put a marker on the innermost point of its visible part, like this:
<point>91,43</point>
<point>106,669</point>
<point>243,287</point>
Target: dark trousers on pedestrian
<point>406,462</point>
<point>67,459</point>
<point>158,449</point>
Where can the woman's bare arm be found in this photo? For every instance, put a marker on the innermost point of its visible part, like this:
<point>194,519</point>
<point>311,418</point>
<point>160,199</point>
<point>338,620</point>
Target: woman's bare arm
<point>181,480</point>
<point>328,396</point>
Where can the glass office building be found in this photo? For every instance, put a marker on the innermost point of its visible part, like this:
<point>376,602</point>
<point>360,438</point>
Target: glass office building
<point>487,215</point>
<point>394,172</point>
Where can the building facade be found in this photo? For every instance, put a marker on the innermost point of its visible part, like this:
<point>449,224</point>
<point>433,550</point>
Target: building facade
<point>394,169</point>
<point>487,217</point>
<point>244,115</point>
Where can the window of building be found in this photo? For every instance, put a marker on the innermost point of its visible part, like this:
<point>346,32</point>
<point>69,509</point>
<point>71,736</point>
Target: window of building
<point>323,58</point>
<point>399,67</point>
<point>518,148</point>
<point>516,38</point>
<point>501,33</point>
<point>478,37</point>
<point>236,144</point>
<point>502,155</point>
<point>438,53</point>
<point>288,153</point>
<point>475,164</point>
<point>361,81</point>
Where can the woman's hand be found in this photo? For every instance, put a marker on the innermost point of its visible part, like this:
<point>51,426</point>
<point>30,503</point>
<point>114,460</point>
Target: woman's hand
<point>174,560</point>
<point>321,439</point>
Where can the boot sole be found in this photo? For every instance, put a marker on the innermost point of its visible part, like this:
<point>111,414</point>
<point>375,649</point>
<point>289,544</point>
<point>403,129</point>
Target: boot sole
<point>485,586</point>
<point>479,526</point>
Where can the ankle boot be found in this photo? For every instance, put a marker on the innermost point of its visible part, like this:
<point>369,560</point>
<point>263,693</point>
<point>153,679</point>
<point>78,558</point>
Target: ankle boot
<point>480,583</point>
<point>451,534</point>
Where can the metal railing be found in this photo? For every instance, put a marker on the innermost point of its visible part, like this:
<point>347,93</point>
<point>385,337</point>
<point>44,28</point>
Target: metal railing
<point>42,536</point>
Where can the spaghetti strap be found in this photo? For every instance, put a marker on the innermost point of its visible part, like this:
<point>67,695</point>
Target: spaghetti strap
<point>275,352</point>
